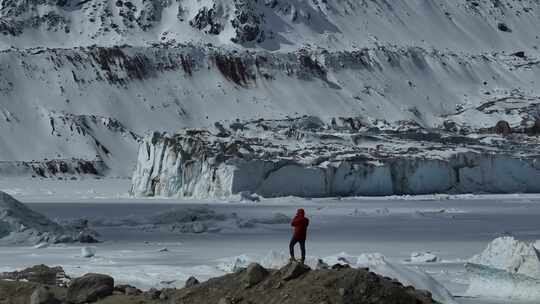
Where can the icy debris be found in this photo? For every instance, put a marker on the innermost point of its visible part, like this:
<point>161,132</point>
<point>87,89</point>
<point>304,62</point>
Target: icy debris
<point>509,254</point>
<point>274,260</point>
<point>490,282</point>
<point>235,263</point>
<point>423,257</point>
<point>406,275</point>
<point>41,246</point>
<point>507,268</point>
<point>248,196</point>
<point>88,252</point>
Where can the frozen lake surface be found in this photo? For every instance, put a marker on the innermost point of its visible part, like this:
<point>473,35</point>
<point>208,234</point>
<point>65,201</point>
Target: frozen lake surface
<point>454,228</point>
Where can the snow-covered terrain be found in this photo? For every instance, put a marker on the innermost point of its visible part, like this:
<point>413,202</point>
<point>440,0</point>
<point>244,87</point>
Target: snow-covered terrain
<point>473,26</point>
<point>82,82</point>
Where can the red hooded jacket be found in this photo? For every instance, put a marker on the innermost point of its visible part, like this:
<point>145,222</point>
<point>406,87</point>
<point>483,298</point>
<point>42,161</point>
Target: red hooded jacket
<point>300,224</point>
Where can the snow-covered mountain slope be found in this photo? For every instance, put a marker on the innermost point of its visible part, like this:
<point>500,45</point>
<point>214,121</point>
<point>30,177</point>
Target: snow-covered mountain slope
<point>82,82</point>
<point>479,25</point>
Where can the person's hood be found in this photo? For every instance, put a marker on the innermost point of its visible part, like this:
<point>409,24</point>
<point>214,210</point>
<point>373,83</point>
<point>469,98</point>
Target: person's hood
<point>300,212</point>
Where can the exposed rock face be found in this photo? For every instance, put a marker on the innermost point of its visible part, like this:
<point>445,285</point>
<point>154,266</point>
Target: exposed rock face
<point>511,265</point>
<point>90,288</point>
<point>304,158</point>
<point>247,22</point>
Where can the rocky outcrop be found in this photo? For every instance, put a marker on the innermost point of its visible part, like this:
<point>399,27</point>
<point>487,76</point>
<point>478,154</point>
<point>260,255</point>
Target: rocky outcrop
<point>41,274</point>
<point>340,286</point>
<point>247,22</point>
<point>305,157</point>
<point>89,288</point>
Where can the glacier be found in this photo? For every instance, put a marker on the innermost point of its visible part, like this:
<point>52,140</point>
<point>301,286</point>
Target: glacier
<point>308,158</point>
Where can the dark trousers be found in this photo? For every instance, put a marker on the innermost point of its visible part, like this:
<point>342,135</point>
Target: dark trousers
<point>302,247</point>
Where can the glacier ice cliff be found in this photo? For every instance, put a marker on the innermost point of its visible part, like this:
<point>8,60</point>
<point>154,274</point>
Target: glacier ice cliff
<point>308,158</point>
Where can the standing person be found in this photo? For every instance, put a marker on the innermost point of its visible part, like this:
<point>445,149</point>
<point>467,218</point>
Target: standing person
<point>300,223</point>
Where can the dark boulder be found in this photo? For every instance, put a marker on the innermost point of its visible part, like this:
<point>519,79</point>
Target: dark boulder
<point>504,28</point>
<point>503,127</point>
<point>192,281</point>
<point>90,288</point>
<point>520,54</point>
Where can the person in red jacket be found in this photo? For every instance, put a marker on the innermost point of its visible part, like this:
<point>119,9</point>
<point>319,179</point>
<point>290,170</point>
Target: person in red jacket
<point>300,223</point>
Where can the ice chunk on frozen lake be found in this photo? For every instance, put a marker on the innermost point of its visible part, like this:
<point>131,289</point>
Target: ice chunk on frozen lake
<point>88,252</point>
<point>509,254</point>
<point>496,283</point>
<point>406,275</point>
<point>423,257</point>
